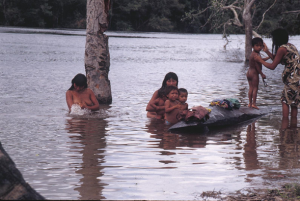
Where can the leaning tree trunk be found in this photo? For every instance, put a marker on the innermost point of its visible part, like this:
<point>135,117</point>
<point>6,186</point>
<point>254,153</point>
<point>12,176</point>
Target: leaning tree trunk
<point>248,27</point>
<point>12,184</point>
<point>97,59</point>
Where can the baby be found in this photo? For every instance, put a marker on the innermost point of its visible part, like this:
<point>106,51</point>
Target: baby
<point>159,104</point>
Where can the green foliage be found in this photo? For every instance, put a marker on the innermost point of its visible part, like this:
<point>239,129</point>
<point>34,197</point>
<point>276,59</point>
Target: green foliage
<point>196,16</point>
<point>277,16</point>
<point>160,24</point>
<point>147,15</point>
<point>43,13</point>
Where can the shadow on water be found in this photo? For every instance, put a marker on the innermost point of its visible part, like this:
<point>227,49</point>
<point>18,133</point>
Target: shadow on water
<point>88,136</point>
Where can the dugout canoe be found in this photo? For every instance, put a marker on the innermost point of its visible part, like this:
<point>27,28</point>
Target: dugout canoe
<point>220,117</point>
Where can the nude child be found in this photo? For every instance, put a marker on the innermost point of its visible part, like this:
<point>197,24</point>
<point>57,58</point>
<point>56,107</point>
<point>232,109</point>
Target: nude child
<point>255,68</point>
<point>172,105</point>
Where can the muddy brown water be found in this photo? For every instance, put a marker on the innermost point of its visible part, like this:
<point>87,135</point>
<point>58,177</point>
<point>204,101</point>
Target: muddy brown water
<point>118,153</point>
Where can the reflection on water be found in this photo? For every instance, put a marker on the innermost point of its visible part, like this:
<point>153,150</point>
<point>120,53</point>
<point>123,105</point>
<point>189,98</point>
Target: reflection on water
<point>250,154</point>
<point>169,141</point>
<point>88,137</point>
<point>118,153</point>
<point>290,144</point>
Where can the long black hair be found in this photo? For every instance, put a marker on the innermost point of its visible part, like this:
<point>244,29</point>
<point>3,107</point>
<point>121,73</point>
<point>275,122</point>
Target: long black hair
<point>168,76</point>
<point>80,80</point>
<point>280,36</point>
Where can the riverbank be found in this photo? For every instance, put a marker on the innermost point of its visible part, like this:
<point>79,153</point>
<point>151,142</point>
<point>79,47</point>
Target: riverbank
<point>289,192</point>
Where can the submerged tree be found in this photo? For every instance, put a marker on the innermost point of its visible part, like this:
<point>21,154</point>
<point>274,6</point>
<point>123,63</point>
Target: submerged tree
<point>238,13</point>
<point>97,59</point>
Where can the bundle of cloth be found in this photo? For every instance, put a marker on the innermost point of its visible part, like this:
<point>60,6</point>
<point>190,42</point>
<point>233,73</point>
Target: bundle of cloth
<point>197,113</point>
<point>227,103</point>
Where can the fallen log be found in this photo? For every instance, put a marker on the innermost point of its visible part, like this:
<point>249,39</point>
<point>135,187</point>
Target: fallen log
<point>12,184</point>
<point>220,117</point>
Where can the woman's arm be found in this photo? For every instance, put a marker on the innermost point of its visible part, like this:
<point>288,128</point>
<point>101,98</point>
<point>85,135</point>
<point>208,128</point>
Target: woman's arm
<point>266,50</point>
<point>149,107</point>
<point>69,99</point>
<point>279,55</point>
<point>154,104</point>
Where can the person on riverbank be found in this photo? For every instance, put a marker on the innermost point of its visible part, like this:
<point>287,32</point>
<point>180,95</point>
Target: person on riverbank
<point>172,105</point>
<point>170,79</point>
<point>255,68</point>
<point>286,54</point>
<point>182,98</point>
<point>79,94</point>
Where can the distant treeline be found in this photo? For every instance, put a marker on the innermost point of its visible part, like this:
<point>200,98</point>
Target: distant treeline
<point>141,15</point>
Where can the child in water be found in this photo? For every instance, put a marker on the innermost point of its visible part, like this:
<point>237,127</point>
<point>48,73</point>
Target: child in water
<point>183,94</point>
<point>172,105</point>
<point>255,68</point>
<point>159,104</point>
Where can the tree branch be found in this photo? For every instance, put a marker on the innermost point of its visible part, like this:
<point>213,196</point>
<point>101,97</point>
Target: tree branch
<point>255,34</point>
<point>263,17</point>
<point>236,19</point>
<point>248,6</point>
<point>224,32</point>
<point>293,11</point>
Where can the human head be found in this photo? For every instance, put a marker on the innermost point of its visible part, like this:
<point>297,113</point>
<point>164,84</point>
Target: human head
<point>280,36</point>
<point>183,94</point>
<point>169,90</point>
<point>168,77</point>
<point>257,41</point>
<point>79,80</point>
<point>161,93</point>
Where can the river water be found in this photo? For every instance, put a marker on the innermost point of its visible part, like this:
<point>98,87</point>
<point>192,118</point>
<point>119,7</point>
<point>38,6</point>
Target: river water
<point>118,153</point>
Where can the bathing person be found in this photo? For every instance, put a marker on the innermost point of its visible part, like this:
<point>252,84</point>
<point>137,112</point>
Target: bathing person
<point>255,68</point>
<point>182,98</point>
<point>286,54</point>
<point>81,95</point>
<point>159,104</point>
<point>172,105</point>
<point>170,79</point>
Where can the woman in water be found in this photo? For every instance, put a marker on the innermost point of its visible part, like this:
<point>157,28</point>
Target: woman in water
<point>286,54</point>
<point>81,95</point>
<point>170,79</point>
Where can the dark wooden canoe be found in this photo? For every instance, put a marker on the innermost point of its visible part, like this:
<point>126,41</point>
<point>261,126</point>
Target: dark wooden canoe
<point>220,117</point>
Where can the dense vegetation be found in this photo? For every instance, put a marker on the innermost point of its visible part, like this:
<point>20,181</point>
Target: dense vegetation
<point>142,15</point>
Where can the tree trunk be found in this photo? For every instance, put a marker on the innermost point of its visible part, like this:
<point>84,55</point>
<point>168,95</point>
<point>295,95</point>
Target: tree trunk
<point>248,27</point>
<point>97,59</point>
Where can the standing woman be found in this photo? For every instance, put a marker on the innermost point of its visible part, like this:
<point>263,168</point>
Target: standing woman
<point>286,54</point>
<point>170,79</point>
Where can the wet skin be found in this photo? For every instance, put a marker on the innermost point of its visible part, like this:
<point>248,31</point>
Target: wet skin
<point>152,111</point>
